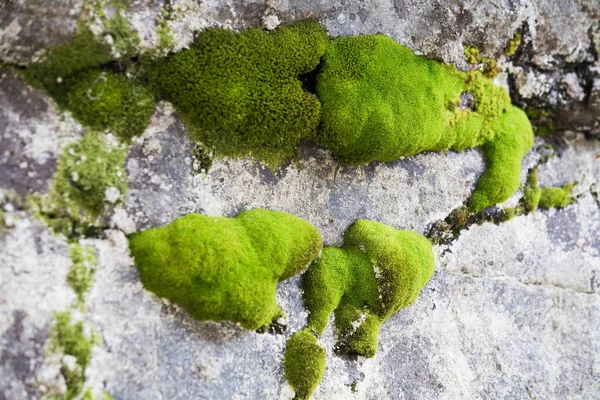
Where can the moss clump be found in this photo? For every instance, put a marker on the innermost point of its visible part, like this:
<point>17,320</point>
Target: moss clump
<point>71,73</point>
<point>381,102</point>
<point>86,170</point>
<point>69,338</point>
<point>62,62</point>
<point>513,44</point>
<point>471,54</point>
<point>225,268</point>
<point>82,269</point>
<point>556,197</point>
<point>531,191</point>
<point>377,271</point>
<point>304,363</point>
<point>240,92</point>
<point>104,100</point>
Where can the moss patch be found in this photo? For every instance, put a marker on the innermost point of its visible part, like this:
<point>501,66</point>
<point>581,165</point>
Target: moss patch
<point>381,102</point>
<point>513,44</point>
<point>531,191</point>
<point>240,92</point>
<point>105,100</point>
<point>77,196</point>
<point>304,363</point>
<point>225,268</point>
<point>556,197</point>
<point>82,269</point>
<point>69,338</point>
<point>377,271</point>
<point>77,76</point>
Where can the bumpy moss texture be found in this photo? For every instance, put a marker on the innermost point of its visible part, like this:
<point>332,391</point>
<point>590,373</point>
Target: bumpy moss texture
<point>381,102</point>
<point>77,195</point>
<point>304,363</point>
<point>240,92</point>
<point>377,271</point>
<point>225,268</point>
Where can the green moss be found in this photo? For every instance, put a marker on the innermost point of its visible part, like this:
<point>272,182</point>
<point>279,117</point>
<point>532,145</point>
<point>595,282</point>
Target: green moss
<point>125,41</point>
<point>381,102</point>
<point>82,269</point>
<point>240,92</point>
<point>165,37</point>
<point>513,44</point>
<point>225,268</point>
<point>69,338</point>
<point>531,191</point>
<point>304,363</point>
<point>76,197</point>
<point>60,63</point>
<point>471,54</point>
<point>490,68</point>
<point>556,197</point>
<point>377,271</point>
<point>104,100</point>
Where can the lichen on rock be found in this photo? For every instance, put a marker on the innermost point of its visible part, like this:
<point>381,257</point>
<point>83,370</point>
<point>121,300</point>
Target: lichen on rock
<point>225,268</point>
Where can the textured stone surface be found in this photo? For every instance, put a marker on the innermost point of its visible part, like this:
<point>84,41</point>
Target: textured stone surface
<point>513,311</point>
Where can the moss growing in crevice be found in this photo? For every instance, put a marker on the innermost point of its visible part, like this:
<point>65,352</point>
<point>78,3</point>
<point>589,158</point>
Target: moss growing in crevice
<point>71,338</point>
<point>239,93</point>
<point>80,77</point>
<point>557,197</point>
<point>304,363</point>
<point>381,102</point>
<point>513,44</point>
<point>377,271</point>
<point>90,179</point>
<point>225,268</point>
<point>531,191</point>
<point>82,270</point>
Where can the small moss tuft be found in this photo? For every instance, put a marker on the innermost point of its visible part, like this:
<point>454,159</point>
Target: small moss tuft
<point>556,197</point>
<point>104,100</point>
<point>239,92</point>
<point>471,54</point>
<point>531,191</point>
<point>77,194</point>
<point>225,268</point>
<point>69,338</point>
<point>377,271</point>
<point>513,44</point>
<point>82,269</point>
<point>304,363</point>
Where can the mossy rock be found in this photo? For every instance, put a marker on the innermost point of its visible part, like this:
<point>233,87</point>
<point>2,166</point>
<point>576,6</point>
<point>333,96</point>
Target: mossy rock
<point>239,93</point>
<point>556,197</point>
<point>225,268</point>
<point>377,271</point>
<point>381,102</point>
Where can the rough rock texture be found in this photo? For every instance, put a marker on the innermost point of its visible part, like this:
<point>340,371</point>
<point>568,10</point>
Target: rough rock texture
<point>513,311</point>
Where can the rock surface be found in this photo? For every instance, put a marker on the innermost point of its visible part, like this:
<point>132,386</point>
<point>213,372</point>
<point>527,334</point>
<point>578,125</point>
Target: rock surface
<point>513,310</point>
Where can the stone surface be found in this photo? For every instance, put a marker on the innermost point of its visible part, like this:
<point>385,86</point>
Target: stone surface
<point>513,310</point>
